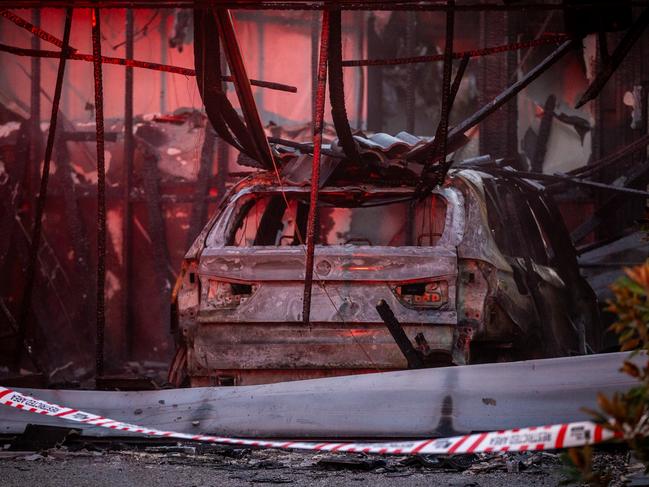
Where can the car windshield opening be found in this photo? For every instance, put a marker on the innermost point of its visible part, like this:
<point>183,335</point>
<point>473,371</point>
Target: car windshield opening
<point>266,220</point>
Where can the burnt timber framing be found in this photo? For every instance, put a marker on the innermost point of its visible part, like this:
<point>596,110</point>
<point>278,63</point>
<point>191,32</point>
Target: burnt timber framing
<point>127,182</point>
<point>315,171</point>
<point>101,194</point>
<point>35,141</point>
<point>496,73</point>
<point>39,53</point>
<point>449,92</point>
<point>42,196</point>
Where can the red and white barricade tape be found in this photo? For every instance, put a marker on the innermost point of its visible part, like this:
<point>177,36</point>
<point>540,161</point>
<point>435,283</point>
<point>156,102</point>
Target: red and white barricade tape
<point>550,437</point>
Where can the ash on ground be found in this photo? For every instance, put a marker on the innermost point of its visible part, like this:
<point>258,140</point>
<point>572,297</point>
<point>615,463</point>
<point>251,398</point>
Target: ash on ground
<point>114,464</point>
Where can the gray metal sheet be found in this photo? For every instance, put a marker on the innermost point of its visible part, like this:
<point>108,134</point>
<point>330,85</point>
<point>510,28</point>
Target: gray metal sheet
<point>413,403</point>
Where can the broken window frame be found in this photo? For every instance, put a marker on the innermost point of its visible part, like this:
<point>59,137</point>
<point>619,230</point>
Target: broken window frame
<point>231,221</point>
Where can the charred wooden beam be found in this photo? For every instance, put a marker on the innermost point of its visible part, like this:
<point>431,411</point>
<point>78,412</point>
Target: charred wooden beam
<point>39,53</point>
<point>432,155</point>
<point>448,97</point>
<point>315,39</point>
<point>315,171</point>
<point>101,192</point>
<point>486,51</point>
<point>36,30</point>
<point>613,61</point>
<point>127,183</point>
<point>35,141</point>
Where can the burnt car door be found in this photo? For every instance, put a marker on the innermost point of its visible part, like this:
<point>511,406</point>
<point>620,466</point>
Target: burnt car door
<point>583,308</point>
<point>531,238</point>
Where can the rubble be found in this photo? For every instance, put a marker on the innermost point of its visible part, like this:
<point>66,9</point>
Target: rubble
<point>191,465</point>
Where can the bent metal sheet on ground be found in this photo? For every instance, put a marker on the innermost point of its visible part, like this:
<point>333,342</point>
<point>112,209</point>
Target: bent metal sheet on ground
<point>412,404</point>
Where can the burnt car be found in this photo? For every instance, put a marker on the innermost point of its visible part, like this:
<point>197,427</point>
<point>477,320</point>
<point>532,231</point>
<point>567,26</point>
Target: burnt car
<point>480,269</point>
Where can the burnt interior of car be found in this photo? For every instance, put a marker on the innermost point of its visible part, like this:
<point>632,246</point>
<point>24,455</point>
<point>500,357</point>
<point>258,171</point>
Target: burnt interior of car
<point>266,220</point>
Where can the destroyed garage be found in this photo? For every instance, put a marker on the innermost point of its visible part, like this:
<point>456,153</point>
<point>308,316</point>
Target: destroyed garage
<point>351,242</point>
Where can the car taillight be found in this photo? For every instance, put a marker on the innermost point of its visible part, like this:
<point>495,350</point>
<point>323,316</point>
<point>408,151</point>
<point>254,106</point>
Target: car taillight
<point>219,294</point>
<point>423,294</point>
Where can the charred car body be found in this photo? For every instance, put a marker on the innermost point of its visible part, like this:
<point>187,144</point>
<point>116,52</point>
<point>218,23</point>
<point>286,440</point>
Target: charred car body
<point>480,269</point>
<point>471,267</point>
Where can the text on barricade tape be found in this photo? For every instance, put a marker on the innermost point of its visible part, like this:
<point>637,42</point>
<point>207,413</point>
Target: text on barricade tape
<point>549,437</point>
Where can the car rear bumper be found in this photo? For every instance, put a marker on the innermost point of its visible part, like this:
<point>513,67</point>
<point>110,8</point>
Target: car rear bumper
<point>255,353</point>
